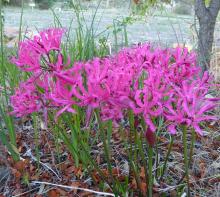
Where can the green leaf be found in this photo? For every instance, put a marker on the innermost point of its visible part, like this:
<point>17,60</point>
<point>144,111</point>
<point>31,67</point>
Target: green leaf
<point>11,148</point>
<point>207,3</point>
<point>40,89</point>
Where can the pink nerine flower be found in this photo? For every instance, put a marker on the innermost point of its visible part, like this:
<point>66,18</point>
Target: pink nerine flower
<point>26,99</point>
<point>48,40</point>
<point>28,59</point>
<point>31,52</point>
<point>149,103</point>
<point>190,105</point>
<point>153,82</point>
<point>62,97</point>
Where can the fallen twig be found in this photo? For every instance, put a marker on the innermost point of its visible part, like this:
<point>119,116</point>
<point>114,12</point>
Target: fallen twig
<point>72,187</point>
<point>33,158</point>
<point>175,186</point>
<point>25,192</point>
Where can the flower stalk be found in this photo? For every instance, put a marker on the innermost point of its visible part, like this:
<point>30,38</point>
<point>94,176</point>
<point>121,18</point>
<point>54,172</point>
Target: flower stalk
<point>185,149</point>
<point>150,171</point>
<point>167,157</point>
<point>140,82</point>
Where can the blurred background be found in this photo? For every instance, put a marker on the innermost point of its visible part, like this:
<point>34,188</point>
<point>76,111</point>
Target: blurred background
<point>116,22</point>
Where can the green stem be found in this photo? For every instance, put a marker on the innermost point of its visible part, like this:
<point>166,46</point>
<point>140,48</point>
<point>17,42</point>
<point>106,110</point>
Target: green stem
<point>132,133</point>
<point>131,124</point>
<point>76,134</point>
<point>36,140</point>
<point>167,157</point>
<point>186,158</point>
<point>3,68</point>
<point>157,156</point>
<point>142,152</point>
<point>192,146</point>
<point>143,157</point>
<point>21,20</point>
<point>68,119</point>
<point>106,148</point>
<point>126,35</point>
<point>133,154</point>
<point>150,172</point>
<point>115,36</point>
<point>65,137</point>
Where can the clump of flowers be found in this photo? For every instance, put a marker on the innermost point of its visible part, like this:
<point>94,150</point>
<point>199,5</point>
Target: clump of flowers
<point>26,99</point>
<point>152,82</point>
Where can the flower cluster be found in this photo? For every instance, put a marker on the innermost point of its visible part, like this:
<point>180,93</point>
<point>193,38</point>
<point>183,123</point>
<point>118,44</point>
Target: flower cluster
<point>152,82</point>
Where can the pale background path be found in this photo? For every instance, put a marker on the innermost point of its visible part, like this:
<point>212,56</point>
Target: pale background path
<point>157,28</point>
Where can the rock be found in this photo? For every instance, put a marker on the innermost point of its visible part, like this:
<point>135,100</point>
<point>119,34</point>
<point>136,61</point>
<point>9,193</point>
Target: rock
<point>4,173</point>
<point>12,36</point>
<point>12,43</point>
<point>4,170</point>
<point>11,32</point>
<point>214,168</point>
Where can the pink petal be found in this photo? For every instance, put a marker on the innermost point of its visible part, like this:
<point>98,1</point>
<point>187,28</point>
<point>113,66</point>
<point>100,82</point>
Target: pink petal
<point>172,129</point>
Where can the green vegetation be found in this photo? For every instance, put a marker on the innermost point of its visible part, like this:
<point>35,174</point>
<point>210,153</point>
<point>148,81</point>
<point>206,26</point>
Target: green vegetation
<point>145,165</point>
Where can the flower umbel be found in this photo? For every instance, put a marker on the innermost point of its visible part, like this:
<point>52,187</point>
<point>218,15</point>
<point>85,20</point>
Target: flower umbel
<point>152,82</point>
